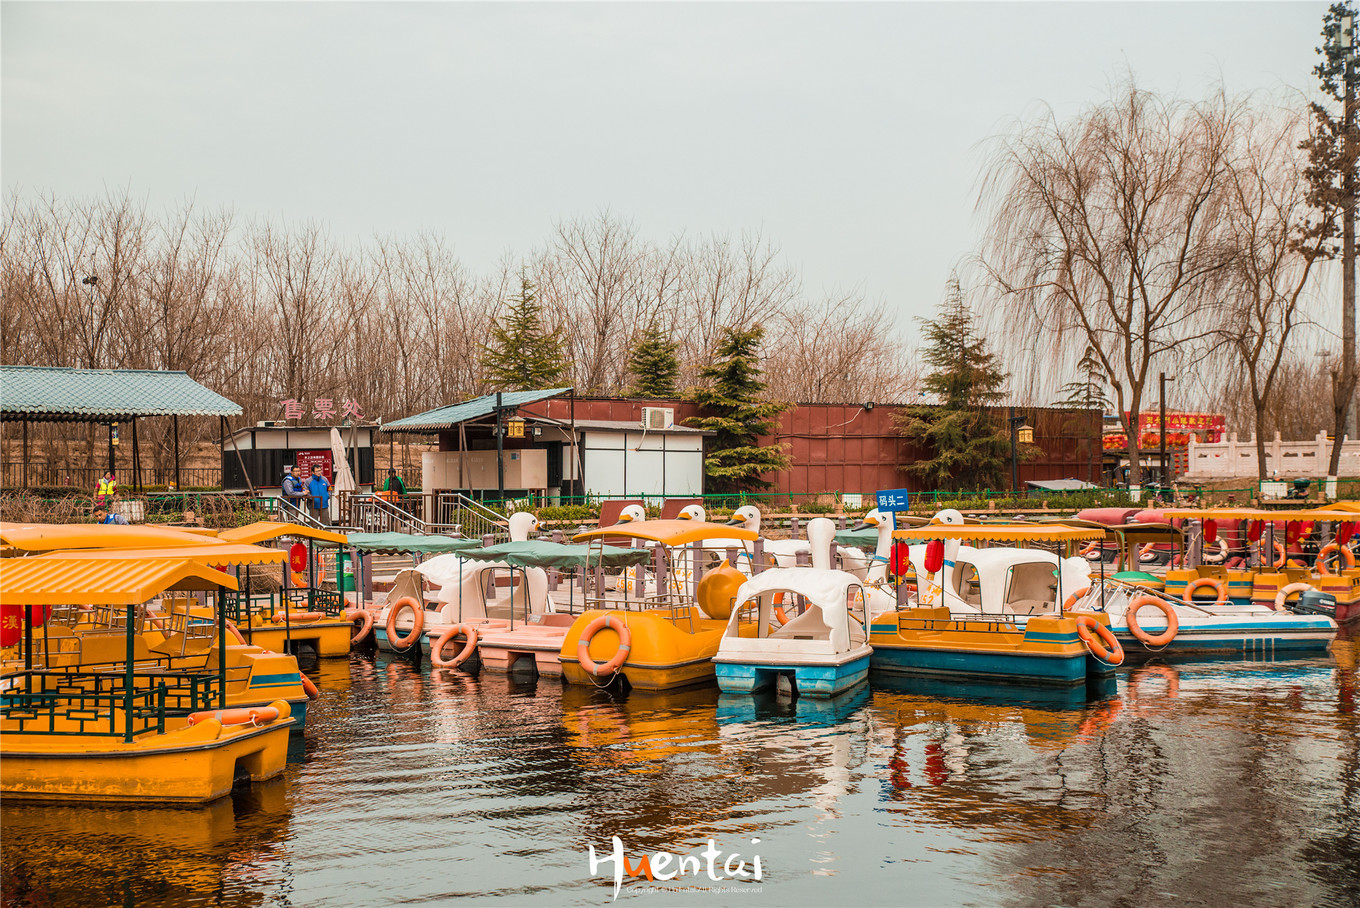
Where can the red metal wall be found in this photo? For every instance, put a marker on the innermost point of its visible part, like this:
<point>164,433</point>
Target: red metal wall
<point>843,447</point>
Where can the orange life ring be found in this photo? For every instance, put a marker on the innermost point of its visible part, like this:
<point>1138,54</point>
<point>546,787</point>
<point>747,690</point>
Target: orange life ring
<point>308,687</point>
<point>236,632</point>
<point>620,656</point>
<point>470,647</point>
<point>779,608</point>
<point>1072,599</point>
<point>1147,552</point>
<point>1279,555</point>
<point>1285,590</point>
<point>418,623</point>
<point>280,617</point>
<point>1088,550</point>
<point>1222,554</point>
<point>1216,585</point>
<point>1173,622</point>
<point>253,715</point>
<point>1328,549</point>
<point>365,619</point>
<point>1102,644</point>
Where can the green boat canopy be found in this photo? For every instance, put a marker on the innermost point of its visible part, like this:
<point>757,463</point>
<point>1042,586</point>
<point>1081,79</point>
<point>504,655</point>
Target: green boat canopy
<point>866,538</point>
<point>394,543</point>
<point>539,553</point>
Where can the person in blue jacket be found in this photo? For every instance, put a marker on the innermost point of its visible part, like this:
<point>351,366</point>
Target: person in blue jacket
<point>319,487</point>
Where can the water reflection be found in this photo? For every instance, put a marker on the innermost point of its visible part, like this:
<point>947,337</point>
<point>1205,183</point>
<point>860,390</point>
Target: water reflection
<point>1230,781</point>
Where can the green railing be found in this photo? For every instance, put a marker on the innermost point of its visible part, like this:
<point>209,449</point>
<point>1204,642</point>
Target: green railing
<point>43,702</point>
<point>248,609</point>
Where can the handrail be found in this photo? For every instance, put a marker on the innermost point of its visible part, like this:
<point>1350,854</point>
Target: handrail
<point>471,518</point>
<point>374,513</point>
<point>294,514</point>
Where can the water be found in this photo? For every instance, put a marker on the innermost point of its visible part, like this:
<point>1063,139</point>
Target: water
<point>1214,783</point>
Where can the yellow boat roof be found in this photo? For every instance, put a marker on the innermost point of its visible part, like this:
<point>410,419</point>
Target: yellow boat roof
<point>52,537</point>
<point>1287,514</point>
<point>669,532</point>
<point>89,578</point>
<point>994,532</point>
<point>260,531</point>
<point>219,553</point>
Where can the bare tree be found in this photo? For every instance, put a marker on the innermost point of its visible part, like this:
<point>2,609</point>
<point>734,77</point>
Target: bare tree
<point>1270,228</point>
<point>1105,231</point>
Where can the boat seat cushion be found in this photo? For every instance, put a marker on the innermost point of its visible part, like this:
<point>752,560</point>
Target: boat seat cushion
<point>807,626</point>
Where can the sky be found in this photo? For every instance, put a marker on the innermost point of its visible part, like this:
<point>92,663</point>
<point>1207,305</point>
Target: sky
<point>851,136</point>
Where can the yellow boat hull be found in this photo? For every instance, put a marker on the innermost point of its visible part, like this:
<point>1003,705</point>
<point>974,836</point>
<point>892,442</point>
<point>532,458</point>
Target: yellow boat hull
<point>329,638</point>
<point>189,765</point>
<point>670,648</point>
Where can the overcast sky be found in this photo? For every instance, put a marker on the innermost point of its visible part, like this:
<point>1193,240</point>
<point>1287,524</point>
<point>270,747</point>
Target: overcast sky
<point>849,135</point>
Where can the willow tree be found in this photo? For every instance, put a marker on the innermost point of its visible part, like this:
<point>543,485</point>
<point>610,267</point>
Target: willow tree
<point>1105,232</point>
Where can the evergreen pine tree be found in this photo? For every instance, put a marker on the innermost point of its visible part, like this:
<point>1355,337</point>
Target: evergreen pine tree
<point>732,396</point>
<point>521,355</point>
<point>1087,392</point>
<point>655,365</point>
<point>962,444</point>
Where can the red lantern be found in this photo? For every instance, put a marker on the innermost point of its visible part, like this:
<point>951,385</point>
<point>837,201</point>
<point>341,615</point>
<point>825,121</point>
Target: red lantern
<point>899,562</point>
<point>1210,530</point>
<point>934,555</point>
<point>297,557</point>
<point>1254,529</point>
<point>38,614</point>
<point>1344,533</point>
<point>11,624</point>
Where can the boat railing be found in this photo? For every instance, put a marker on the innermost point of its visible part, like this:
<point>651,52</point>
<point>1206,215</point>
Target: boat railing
<point>54,702</point>
<point>249,609</point>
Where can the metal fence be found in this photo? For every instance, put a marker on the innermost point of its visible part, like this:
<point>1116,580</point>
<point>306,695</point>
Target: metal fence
<point>40,475</point>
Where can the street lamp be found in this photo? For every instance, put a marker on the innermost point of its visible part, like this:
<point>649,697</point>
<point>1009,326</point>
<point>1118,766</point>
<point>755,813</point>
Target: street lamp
<point>1164,378</point>
<point>1021,434</point>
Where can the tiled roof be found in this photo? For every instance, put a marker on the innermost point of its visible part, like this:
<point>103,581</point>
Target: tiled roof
<point>452,415</point>
<point>49,393</point>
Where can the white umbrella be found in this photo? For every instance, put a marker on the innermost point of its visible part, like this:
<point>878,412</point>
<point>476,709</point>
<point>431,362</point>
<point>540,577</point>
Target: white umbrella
<point>342,477</point>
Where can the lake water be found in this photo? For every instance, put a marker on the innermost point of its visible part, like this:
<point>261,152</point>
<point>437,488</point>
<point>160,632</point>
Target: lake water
<point>1225,783</point>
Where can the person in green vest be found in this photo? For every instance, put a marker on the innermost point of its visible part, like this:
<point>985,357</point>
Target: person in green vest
<point>394,483</point>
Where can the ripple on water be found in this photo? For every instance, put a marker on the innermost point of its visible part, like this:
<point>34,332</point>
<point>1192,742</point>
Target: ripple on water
<point>1215,783</point>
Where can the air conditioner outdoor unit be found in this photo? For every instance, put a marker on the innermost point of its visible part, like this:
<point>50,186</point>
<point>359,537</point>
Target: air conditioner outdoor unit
<point>658,417</point>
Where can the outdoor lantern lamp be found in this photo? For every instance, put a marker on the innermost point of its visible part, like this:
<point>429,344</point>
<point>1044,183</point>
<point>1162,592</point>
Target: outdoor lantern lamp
<point>1021,434</point>
<point>1025,435</point>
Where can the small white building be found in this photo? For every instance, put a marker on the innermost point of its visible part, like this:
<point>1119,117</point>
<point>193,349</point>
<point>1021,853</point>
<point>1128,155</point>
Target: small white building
<point>254,457</point>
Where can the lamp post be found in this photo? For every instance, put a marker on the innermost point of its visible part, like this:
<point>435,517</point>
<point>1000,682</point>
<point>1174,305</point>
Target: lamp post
<point>1021,434</point>
<point>1163,379</point>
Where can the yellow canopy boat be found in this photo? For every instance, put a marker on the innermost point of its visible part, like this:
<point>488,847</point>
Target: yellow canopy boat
<point>666,640</point>
<point>128,734</point>
<point>1061,648</point>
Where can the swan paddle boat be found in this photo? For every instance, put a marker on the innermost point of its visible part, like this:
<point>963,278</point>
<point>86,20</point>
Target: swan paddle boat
<point>536,641</point>
<point>661,640</point>
<point>822,651</point>
<point>128,732</point>
<point>936,636</point>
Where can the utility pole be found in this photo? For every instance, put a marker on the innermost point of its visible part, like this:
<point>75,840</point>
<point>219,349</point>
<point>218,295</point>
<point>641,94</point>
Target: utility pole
<point>500,450</point>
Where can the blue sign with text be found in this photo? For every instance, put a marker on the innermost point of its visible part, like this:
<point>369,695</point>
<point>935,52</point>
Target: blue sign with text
<point>892,500</point>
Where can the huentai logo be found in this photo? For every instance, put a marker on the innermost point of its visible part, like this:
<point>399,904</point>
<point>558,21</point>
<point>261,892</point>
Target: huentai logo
<point>658,865</point>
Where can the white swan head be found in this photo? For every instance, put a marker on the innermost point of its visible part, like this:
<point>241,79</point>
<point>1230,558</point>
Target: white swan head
<point>522,523</point>
<point>949,517</point>
<point>747,517</point>
<point>692,512</point>
<point>821,532</point>
<point>877,519</point>
<point>632,512</point>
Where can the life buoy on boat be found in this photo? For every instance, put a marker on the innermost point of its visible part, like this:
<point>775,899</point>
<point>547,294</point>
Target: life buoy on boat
<point>253,715</point>
<point>236,632</point>
<point>779,608</point>
<point>1102,643</point>
<point>1147,552</point>
<point>1072,599</point>
<point>1221,555</point>
<point>1090,550</point>
<point>1279,555</point>
<point>615,623</point>
<point>1342,553</point>
<point>470,647</point>
<point>1286,591</point>
<point>364,618</point>
<point>417,625</point>
<point>1216,585</point>
<point>1173,622</point>
<point>290,617</point>
<point>308,687</point>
